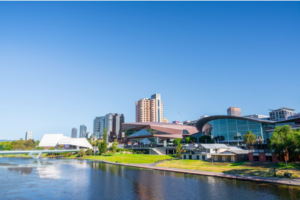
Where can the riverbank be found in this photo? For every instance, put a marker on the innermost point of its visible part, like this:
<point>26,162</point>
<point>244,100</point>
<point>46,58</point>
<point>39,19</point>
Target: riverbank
<point>163,163</point>
<point>273,180</point>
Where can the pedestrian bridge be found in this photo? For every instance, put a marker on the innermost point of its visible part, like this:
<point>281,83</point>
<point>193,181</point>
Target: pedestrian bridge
<point>37,152</point>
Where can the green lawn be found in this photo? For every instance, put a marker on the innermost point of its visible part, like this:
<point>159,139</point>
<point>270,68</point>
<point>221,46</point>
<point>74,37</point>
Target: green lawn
<point>127,158</point>
<point>243,168</point>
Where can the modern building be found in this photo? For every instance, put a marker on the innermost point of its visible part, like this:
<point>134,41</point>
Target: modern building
<point>74,133</point>
<point>159,134</point>
<point>113,124</point>
<point>256,116</point>
<point>150,110</point>
<point>99,124</point>
<point>28,135</point>
<point>82,130</point>
<point>217,152</point>
<point>231,129</point>
<point>234,111</point>
<point>190,122</point>
<point>62,142</point>
<point>282,114</point>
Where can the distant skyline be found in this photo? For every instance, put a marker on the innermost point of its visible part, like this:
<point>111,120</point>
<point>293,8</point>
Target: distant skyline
<point>64,63</point>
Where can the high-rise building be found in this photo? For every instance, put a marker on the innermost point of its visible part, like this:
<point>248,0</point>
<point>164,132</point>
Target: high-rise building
<point>82,131</point>
<point>28,135</point>
<point>74,133</point>
<point>281,114</point>
<point>113,124</point>
<point>234,111</point>
<point>150,110</point>
<point>99,124</point>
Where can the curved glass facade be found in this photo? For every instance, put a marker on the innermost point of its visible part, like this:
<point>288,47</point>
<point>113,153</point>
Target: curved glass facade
<point>232,129</point>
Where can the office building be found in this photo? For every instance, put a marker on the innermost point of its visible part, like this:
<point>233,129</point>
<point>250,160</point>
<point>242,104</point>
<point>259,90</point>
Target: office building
<point>113,124</point>
<point>28,135</point>
<point>99,124</point>
<point>282,114</point>
<point>74,133</point>
<point>150,110</point>
<point>234,111</point>
<point>82,131</point>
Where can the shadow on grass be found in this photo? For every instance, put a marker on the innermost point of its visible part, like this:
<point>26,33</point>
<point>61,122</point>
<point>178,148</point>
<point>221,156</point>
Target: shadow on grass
<point>251,172</point>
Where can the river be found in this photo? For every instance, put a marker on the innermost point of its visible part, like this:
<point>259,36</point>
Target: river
<point>23,178</point>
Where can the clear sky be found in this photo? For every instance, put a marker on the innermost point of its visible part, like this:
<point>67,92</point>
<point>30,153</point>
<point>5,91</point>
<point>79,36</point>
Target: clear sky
<point>64,63</point>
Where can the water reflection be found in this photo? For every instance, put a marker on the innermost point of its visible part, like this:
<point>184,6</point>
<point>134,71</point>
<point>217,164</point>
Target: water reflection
<point>22,170</point>
<point>72,179</point>
<point>51,172</point>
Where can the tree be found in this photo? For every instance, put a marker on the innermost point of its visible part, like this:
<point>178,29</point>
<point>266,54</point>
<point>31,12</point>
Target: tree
<point>100,147</point>
<point>89,152</point>
<point>187,139</point>
<point>103,147</point>
<point>177,141</point>
<point>179,150</point>
<point>206,139</point>
<point>249,138</point>
<point>81,153</point>
<point>114,146</point>
<point>105,134</point>
<point>193,139</point>
<point>285,141</point>
<point>37,143</point>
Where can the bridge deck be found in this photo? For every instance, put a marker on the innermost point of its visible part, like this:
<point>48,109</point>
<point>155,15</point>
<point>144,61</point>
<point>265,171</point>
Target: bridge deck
<point>38,151</point>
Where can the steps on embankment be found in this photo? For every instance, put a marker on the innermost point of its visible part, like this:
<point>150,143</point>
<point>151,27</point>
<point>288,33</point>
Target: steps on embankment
<point>158,151</point>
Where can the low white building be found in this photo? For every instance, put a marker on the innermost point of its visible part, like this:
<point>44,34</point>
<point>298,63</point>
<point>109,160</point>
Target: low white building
<point>219,152</point>
<point>59,140</point>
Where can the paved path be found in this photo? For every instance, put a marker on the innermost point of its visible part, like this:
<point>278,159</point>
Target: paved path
<point>275,180</point>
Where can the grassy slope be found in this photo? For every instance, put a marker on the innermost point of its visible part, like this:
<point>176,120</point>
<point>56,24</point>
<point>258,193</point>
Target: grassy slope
<point>127,158</point>
<point>244,168</point>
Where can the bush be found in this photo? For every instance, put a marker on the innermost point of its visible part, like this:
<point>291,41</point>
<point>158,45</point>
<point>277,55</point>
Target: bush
<point>89,152</point>
<point>81,153</point>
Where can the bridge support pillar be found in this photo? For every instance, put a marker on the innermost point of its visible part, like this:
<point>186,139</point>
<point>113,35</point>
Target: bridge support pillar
<point>37,157</point>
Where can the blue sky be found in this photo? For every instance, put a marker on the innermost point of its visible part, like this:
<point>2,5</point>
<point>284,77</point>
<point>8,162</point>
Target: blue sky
<point>64,63</point>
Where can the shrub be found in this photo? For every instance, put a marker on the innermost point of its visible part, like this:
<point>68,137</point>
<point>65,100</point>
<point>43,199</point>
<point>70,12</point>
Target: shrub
<point>89,152</point>
<point>81,153</point>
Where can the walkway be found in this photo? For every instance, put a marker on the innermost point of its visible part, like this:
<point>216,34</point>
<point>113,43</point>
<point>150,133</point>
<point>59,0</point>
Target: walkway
<point>273,180</point>
<point>39,152</point>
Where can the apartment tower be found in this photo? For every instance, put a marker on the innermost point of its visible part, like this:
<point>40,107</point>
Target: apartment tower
<point>234,111</point>
<point>150,110</point>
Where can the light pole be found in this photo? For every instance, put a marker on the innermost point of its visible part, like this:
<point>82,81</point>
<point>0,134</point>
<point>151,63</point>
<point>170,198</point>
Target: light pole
<point>212,162</point>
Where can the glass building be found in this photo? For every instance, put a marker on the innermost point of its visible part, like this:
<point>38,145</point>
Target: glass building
<point>234,129</point>
<point>231,129</point>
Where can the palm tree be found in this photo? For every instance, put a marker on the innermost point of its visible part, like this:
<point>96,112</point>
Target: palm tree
<point>249,138</point>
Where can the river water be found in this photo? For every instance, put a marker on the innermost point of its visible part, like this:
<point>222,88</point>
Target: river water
<point>23,178</point>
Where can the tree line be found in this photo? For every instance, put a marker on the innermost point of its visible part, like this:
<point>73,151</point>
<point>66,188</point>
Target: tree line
<point>19,145</point>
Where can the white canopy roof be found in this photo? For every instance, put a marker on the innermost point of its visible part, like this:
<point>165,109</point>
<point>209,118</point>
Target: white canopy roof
<point>52,140</point>
<point>214,146</point>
